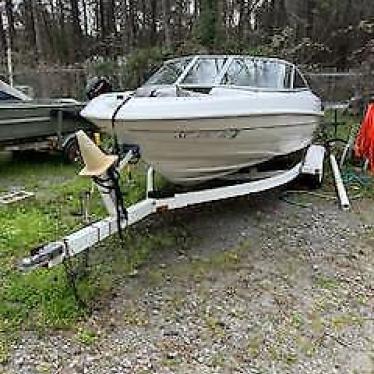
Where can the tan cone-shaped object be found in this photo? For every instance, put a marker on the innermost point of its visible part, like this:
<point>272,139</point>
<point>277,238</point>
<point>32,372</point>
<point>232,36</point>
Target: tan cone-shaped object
<point>96,161</point>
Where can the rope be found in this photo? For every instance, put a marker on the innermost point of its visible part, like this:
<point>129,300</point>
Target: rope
<point>115,137</point>
<point>350,177</point>
<point>311,193</point>
<point>112,184</point>
<point>292,202</point>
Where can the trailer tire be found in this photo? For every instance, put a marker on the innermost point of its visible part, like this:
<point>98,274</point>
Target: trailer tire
<point>71,151</point>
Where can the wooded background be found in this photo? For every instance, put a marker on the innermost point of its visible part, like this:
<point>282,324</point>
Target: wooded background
<point>325,32</point>
<point>317,34</point>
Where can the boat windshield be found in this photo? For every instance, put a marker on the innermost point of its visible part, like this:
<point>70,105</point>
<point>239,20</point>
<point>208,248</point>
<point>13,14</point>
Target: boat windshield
<point>205,71</point>
<point>210,71</point>
<point>170,72</point>
<point>258,73</point>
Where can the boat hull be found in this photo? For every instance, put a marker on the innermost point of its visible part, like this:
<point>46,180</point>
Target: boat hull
<point>194,151</point>
<point>195,139</point>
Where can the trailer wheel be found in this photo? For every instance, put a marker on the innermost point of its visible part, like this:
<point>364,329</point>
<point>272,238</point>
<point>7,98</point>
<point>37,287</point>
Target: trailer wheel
<point>71,151</point>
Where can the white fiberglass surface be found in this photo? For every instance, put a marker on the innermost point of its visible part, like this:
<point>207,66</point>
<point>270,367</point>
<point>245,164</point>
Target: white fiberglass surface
<point>246,71</point>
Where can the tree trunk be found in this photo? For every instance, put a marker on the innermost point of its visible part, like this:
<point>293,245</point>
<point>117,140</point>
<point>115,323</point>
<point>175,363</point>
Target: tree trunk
<point>133,27</point>
<point>29,24</point>
<point>10,16</point>
<point>153,38</point>
<point>166,19</point>
<point>311,4</point>
<point>37,30</point>
<point>75,18</point>
<point>3,43</point>
<point>85,17</point>
<point>77,31</point>
<point>196,8</point>
<point>242,13</point>
<point>179,19</point>
<point>111,17</point>
<point>101,13</point>
<point>219,38</point>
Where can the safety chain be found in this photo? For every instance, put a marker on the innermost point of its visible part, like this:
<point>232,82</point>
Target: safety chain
<point>72,278</point>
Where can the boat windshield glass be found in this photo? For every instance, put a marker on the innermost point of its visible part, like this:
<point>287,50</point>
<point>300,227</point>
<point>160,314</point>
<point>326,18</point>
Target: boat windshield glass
<point>169,73</point>
<point>205,71</point>
<point>270,74</point>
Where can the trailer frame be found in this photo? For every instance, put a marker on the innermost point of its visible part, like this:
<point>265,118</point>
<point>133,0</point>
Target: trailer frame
<point>55,253</point>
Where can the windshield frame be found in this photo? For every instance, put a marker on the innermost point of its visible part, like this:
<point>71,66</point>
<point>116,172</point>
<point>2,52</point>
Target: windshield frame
<point>218,79</point>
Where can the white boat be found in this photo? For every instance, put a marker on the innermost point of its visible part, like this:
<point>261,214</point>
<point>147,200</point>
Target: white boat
<point>204,117</point>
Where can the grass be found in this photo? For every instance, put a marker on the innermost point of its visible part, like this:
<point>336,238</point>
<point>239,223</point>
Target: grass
<point>327,283</point>
<point>86,337</point>
<point>4,351</point>
<point>43,299</point>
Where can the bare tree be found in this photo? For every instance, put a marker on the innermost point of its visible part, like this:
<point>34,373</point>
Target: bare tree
<point>72,30</point>
<point>3,42</point>
<point>10,16</point>
<point>166,22</point>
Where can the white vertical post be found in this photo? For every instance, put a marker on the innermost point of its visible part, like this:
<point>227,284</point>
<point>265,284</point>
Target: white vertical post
<point>9,48</point>
<point>366,165</point>
<point>150,180</point>
<point>10,63</point>
<point>349,146</point>
<point>342,193</point>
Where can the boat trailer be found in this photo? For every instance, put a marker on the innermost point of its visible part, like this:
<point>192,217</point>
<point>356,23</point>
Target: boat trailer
<point>119,218</point>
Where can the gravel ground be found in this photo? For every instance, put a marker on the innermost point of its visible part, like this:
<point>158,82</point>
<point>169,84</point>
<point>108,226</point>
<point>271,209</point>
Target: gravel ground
<point>266,287</point>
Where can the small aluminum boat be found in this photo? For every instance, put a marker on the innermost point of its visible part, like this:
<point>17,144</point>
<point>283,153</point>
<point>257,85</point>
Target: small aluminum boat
<point>203,117</point>
<point>22,117</point>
